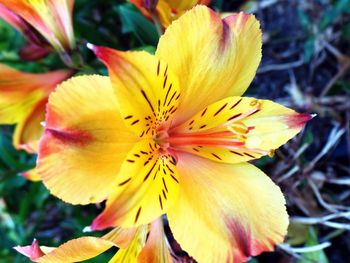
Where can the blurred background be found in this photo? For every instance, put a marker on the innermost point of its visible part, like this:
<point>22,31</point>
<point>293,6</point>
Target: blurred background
<point>305,66</point>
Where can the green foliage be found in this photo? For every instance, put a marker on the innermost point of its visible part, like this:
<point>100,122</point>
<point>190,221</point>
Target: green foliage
<point>135,23</point>
<point>329,17</point>
<point>332,13</point>
<point>12,161</point>
<point>317,256</point>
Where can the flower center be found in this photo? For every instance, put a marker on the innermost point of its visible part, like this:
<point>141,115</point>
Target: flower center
<point>234,137</point>
<point>212,137</point>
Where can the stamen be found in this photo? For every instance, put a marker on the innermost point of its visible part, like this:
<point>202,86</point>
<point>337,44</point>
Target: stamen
<point>232,135</point>
<point>255,103</point>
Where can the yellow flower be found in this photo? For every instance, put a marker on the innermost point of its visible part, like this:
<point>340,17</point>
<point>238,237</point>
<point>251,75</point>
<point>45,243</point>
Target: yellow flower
<point>145,244</point>
<point>173,136</point>
<point>52,19</point>
<point>166,10</point>
<point>23,98</point>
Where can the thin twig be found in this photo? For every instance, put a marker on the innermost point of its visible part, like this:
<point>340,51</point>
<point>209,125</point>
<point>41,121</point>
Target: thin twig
<point>318,220</point>
<point>320,199</point>
<point>345,67</point>
<point>276,67</point>
<point>288,174</point>
<point>333,138</point>
<point>308,249</point>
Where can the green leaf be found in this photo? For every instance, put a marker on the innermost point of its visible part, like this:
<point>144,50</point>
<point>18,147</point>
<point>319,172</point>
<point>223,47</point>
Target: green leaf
<point>309,48</point>
<point>332,13</point>
<point>304,20</point>
<point>134,22</point>
<point>297,234</point>
<point>316,256</point>
<point>9,37</point>
<point>346,31</point>
<point>253,260</point>
<point>217,4</point>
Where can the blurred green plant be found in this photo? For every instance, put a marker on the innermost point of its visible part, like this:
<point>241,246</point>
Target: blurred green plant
<point>330,16</point>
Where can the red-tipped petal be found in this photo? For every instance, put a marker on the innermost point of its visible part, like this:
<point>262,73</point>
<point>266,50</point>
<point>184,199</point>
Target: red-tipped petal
<point>33,251</point>
<point>298,120</point>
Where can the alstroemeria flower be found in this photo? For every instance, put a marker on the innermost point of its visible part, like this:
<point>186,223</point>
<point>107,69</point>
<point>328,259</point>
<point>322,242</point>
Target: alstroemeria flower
<point>23,97</point>
<point>36,46</point>
<point>166,10</point>
<point>175,139</point>
<point>51,18</point>
<point>145,244</point>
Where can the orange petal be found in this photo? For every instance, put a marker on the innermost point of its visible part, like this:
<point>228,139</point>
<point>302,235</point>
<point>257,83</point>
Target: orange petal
<point>53,19</point>
<point>156,249</point>
<point>11,18</point>
<point>213,58</point>
<point>233,211</point>
<point>20,91</point>
<point>37,46</point>
<point>85,141</point>
<point>149,82</point>
<point>146,187</point>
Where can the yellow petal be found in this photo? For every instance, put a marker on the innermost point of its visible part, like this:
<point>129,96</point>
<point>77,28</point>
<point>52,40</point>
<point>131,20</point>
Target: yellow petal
<point>165,13</point>
<point>274,124</point>
<point>156,249</point>
<point>85,141</point>
<point>21,91</point>
<point>22,101</point>
<point>77,250</point>
<point>147,185</point>
<point>31,175</point>
<point>121,236</point>
<point>29,130</point>
<point>87,247</point>
<point>213,58</point>
<point>130,253</point>
<point>237,129</point>
<point>186,4</point>
<point>163,10</point>
<point>53,19</point>
<point>146,89</point>
<point>15,104</point>
<point>225,212</point>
